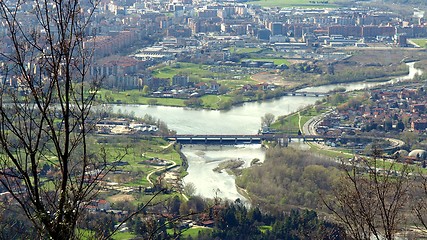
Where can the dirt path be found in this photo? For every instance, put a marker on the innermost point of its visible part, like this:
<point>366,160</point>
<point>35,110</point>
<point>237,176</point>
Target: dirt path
<point>158,169</point>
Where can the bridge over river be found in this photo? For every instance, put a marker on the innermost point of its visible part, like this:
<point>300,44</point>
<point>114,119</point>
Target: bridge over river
<point>283,139</point>
<point>307,94</point>
<point>239,139</point>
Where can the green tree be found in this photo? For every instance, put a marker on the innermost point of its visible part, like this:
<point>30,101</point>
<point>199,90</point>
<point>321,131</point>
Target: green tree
<point>223,89</point>
<point>267,119</point>
<point>146,90</point>
<point>194,102</point>
<point>410,139</point>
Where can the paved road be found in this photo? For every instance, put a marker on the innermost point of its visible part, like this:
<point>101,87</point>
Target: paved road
<point>309,128</point>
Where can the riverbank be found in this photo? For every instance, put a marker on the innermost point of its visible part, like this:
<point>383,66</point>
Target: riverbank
<point>244,119</point>
<point>221,101</point>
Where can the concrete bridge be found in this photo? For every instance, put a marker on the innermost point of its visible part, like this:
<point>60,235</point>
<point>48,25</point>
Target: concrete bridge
<point>307,94</point>
<point>282,139</point>
<point>240,139</point>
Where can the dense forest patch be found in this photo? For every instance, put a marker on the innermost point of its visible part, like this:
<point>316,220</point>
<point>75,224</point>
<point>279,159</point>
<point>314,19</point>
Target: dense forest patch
<point>289,177</point>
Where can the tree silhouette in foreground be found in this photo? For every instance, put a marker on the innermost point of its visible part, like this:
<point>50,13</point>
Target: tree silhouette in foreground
<point>46,98</point>
<point>371,198</point>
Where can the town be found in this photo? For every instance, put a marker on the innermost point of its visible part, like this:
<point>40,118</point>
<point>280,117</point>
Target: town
<point>213,119</point>
<point>206,46</point>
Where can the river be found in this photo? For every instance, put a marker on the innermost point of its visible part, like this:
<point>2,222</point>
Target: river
<point>364,85</point>
<point>243,119</point>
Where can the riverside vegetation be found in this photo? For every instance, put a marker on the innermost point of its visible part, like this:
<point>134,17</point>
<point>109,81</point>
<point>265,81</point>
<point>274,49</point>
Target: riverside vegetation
<point>360,65</point>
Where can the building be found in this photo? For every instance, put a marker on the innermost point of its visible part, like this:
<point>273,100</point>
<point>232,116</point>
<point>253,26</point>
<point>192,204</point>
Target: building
<point>419,125</point>
<point>156,83</point>
<point>345,31</point>
<point>264,34</point>
<point>276,28</point>
<point>376,31</point>
<point>180,80</point>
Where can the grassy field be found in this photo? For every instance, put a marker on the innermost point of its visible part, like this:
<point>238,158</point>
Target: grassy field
<point>236,83</point>
<point>213,101</point>
<point>245,50</point>
<point>422,42</point>
<point>287,124</point>
<point>329,152</point>
<point>291,123</point>
<point>192,69</point>
<point>124,236</point>
<point>277,61</point>
<point>265,228</point>
<point>191,232</point>
<point>200,72</point>
<point>88,234</point>
<point>133,151</point>
<point>294,3</point>
<point>136,97</point>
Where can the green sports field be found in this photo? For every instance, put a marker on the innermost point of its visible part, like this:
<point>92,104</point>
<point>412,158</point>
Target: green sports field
<point>422,42</point>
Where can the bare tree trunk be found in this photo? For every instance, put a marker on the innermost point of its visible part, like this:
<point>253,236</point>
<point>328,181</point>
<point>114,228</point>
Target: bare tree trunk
<point>46,99</point>
<point>419,202</point>
<point>370,200</point>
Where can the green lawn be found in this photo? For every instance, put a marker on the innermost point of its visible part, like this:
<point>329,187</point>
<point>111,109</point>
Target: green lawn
<point>294,3</point>
<point>287,124</point>
<point>200,72</point>
<point>134,151</point>
<point>191,232</point>
<point>237,83</point>
<point>422,42</point>
<point>136,97</point>
<point>290,123</point>
<point>265,228</point>
<point>124,236</point>
<point>277,61</point>
<point>329,152</point>
<point>244,50</point>
<point>213,101</point>
<point>88,234</point>
<point>190,69</point>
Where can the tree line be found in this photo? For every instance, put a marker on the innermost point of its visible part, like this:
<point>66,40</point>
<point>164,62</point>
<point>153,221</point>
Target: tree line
<point>367,197</point>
